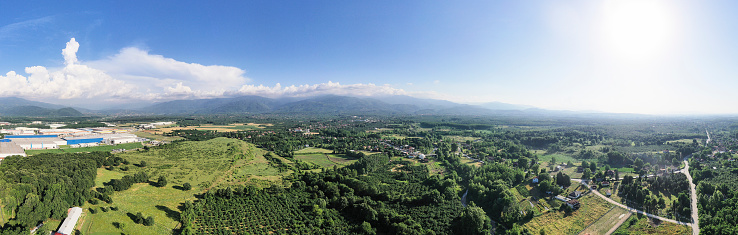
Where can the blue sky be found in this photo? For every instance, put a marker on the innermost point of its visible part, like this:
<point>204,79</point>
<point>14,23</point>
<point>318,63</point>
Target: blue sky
<point>660,57</point>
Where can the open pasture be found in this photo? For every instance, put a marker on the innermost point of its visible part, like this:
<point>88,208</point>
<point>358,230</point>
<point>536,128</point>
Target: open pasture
<point>219,162</point>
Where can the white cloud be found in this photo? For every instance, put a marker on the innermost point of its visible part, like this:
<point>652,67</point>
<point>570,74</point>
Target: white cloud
<point>138,66</point>
<point>134,75</point>
<point>332,88</point>
<point>70,52</point>
<point>72,81</point>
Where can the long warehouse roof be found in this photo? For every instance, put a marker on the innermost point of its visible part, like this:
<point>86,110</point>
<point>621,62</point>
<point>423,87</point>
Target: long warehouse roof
<point>104,136</point>
<point>38,141</point>
<point>10,148</point>
<point>29,136</point>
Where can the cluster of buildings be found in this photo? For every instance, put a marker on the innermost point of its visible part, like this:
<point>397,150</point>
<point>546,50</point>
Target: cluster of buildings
<point>571,199</point>
<point>154,125</point>
<point>54,141</point>
<point>17,140</point>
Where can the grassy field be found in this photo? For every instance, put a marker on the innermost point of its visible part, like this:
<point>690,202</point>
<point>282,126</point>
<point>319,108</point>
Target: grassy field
<point>326,160</point>
<point>218,162</point>
<point>557,222</point>
<point>313,150</point>
<point>161,203</point>
<point>105,148</point>
<point>560,158</point>
<point>471,162</point>
<point>154,135</point>
<point>639,224</point>
<point>607,221</point>
<point>221,128</point>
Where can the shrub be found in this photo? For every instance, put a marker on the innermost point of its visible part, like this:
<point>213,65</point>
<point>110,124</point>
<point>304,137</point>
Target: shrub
<point>162,182</point>
<point>149,221</point>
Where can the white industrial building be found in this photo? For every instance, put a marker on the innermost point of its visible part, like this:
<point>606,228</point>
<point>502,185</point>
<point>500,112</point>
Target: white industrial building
<point>27,130</point>
<point>64,132</point>
<point>10,149</point>
<point>154,125</point>
<point>39,143</point>
<point>55,126</point>
<point>67,227</point>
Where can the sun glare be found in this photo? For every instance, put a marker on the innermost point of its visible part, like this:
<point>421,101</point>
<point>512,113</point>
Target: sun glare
<point>637,30</point>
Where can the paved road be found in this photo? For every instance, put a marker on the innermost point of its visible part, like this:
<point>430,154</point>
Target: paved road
<point>693,192</point>
<point>632,210</point>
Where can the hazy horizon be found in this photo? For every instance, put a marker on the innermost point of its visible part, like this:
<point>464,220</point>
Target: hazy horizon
<point>647,57</point>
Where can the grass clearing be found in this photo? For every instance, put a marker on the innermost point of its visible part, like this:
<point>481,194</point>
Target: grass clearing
<point>161,203</point>
<point>556,222</point>
<point>560,158</point>
<point>607,221</point>
<point>472,162</point>
<point>316,158</point>
<point>640,224</point>
<point>313,150</point>
<point>218,162</point>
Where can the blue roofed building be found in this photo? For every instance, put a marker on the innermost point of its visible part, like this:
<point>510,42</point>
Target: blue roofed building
<point>83,140</point>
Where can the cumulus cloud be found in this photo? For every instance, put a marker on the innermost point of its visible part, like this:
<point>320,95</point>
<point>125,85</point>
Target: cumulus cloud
<point>70,52</point>
<point>136,65</point>
<point>136,75</point>
<point>72,81</point>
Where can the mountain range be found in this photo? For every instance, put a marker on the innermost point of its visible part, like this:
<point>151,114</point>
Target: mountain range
<point>318,105</point>
<point>12,106</point>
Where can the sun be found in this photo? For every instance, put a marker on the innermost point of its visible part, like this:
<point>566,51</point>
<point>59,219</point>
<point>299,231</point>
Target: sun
<point>637,30</point>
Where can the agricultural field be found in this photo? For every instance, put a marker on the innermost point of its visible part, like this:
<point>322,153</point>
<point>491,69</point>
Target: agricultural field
<point>313,150</point>
<point>222,128</point>
<point>472,162</point>
<point>326,160</point>
<point>156,135</point>
<point>640,224</point>
<point>104,148</point>
<point>557,222</point>
<point>216,163</point>
<point>607,221</point>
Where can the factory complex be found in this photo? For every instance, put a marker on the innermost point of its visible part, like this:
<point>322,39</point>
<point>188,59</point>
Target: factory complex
<point>19,139</point>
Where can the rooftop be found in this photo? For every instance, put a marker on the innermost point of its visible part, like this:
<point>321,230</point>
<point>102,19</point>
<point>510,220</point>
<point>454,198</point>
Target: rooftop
<point>10,148</point>
<point>37,141</point>
<point>104,136</point>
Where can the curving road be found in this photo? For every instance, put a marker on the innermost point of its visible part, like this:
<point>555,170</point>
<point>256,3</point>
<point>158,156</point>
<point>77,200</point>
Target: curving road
<point>632,210</point>
<point>693,192</point>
